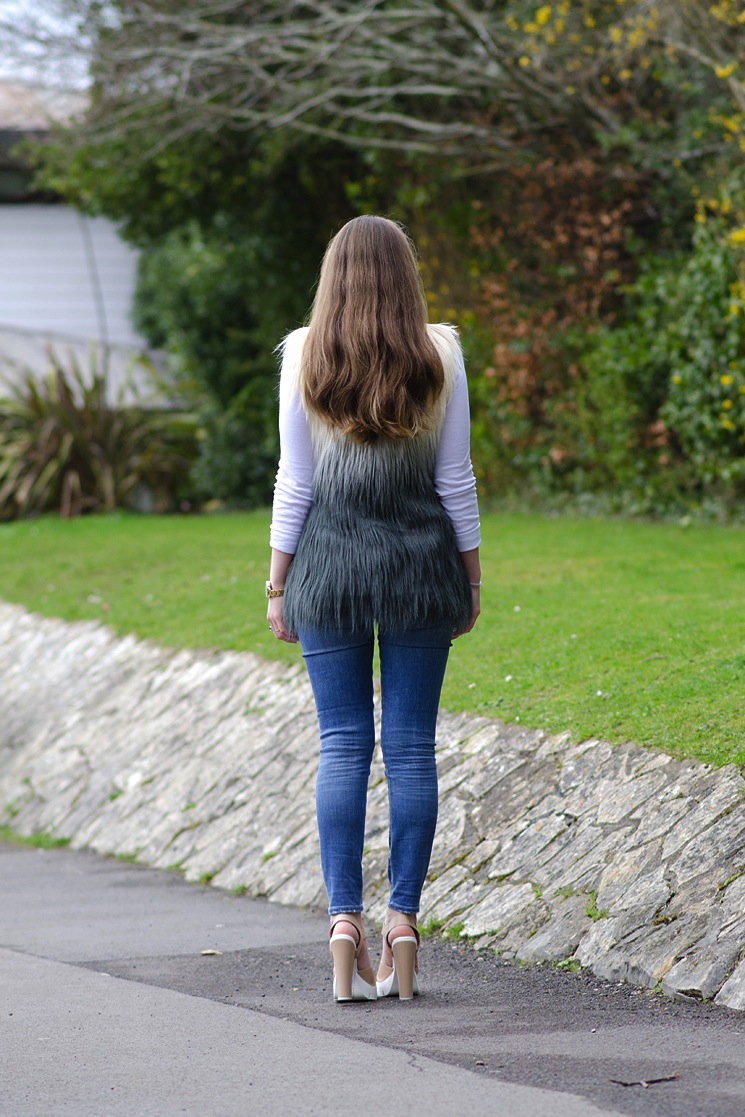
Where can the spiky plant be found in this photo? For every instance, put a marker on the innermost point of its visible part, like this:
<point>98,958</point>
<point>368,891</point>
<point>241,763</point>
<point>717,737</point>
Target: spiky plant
<point>68,443</point>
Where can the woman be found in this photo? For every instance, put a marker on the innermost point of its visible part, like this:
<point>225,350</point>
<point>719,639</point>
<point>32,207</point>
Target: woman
<point>375,524</point>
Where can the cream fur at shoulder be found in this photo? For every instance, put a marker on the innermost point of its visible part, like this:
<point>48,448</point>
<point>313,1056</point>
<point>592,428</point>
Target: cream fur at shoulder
<point>446,340</point>
<point>290,350</point>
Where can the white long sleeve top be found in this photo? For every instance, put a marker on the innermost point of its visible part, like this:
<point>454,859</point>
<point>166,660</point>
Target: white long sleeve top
<point>454,480</point>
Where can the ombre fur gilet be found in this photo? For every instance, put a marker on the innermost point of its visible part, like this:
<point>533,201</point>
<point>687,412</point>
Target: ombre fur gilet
<point>377,546</point>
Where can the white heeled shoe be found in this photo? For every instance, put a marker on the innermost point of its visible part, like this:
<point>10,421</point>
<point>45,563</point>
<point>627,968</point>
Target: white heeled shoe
<point>402,979</point>
<point>349,984</point>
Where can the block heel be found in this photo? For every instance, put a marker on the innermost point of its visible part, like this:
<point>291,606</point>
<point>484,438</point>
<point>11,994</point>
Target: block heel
<point>404,962</point>
<point>343,949</point>
<point>349,984</point>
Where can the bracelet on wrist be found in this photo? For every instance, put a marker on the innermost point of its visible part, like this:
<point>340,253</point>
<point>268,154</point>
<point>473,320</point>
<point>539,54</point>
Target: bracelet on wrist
<point>476,585</point>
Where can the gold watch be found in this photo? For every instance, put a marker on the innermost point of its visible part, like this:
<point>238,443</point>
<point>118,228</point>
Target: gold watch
<point>272,592</point>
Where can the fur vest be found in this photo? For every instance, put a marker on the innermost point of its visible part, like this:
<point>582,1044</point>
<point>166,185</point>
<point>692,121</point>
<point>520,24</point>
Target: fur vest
<point>377,546</point>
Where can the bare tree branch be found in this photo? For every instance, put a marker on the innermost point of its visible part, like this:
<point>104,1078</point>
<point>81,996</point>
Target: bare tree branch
<point>447,76</point>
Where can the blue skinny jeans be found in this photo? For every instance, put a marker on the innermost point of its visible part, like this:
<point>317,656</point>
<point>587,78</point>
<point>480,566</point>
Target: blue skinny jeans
<point>412,668</point>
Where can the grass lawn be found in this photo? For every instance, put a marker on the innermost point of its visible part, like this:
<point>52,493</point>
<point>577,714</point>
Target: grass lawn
<point>627,631</point>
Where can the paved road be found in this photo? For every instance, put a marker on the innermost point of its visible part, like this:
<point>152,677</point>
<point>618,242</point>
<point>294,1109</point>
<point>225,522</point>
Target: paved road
<point>108,1007</point>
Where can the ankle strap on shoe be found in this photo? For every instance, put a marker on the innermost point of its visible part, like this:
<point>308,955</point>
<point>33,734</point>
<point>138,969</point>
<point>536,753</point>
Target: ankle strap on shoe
<point>348,917</point>
<point>396,920</point>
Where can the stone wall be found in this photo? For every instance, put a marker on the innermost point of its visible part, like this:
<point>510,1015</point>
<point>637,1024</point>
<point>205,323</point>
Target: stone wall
<point>627,861</point>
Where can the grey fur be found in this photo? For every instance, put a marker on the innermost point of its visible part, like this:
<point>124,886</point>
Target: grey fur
<point>377,546</point>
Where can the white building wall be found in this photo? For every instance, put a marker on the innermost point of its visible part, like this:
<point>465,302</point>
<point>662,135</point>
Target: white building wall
<point>67,281</point>
<point>64,274</point>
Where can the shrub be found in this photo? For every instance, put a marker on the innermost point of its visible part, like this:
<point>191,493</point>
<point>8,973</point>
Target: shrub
<point>705,343</point>
<point>662,397</point>
<point>548,254</point>
<point>239,447</point>
<point>66,445</point>
<point>207,299</point>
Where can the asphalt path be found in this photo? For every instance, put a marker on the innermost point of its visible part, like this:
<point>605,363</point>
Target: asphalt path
<point>109,1005</point>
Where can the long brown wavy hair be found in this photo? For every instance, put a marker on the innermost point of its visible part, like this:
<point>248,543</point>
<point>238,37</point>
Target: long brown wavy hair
<point>369,366</point>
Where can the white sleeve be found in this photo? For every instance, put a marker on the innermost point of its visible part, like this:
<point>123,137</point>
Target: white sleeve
<point>293,489</point>
<point>454,479</point>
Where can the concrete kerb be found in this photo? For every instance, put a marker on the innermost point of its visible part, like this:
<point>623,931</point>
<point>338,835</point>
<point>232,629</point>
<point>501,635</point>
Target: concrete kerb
<point>623,860</point>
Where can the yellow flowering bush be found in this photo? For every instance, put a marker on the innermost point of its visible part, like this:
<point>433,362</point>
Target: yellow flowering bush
<point>702,344</point>
<point>659,408</point>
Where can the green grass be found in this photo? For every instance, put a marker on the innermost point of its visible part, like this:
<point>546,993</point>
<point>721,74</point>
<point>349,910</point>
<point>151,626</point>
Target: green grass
<point>571,965</point>
<point>627,631</point>
<point>591,907</point>
<point>42,839</point>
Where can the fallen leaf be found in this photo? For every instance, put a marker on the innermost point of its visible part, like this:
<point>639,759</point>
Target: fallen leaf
<point>645,1082</point>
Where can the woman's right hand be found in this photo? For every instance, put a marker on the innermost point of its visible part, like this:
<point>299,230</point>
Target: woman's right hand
<point>475,610</point>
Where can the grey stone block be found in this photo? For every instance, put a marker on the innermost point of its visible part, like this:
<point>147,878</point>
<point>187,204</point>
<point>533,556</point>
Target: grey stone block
<point>732,993</point>
<point>560,936</point>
